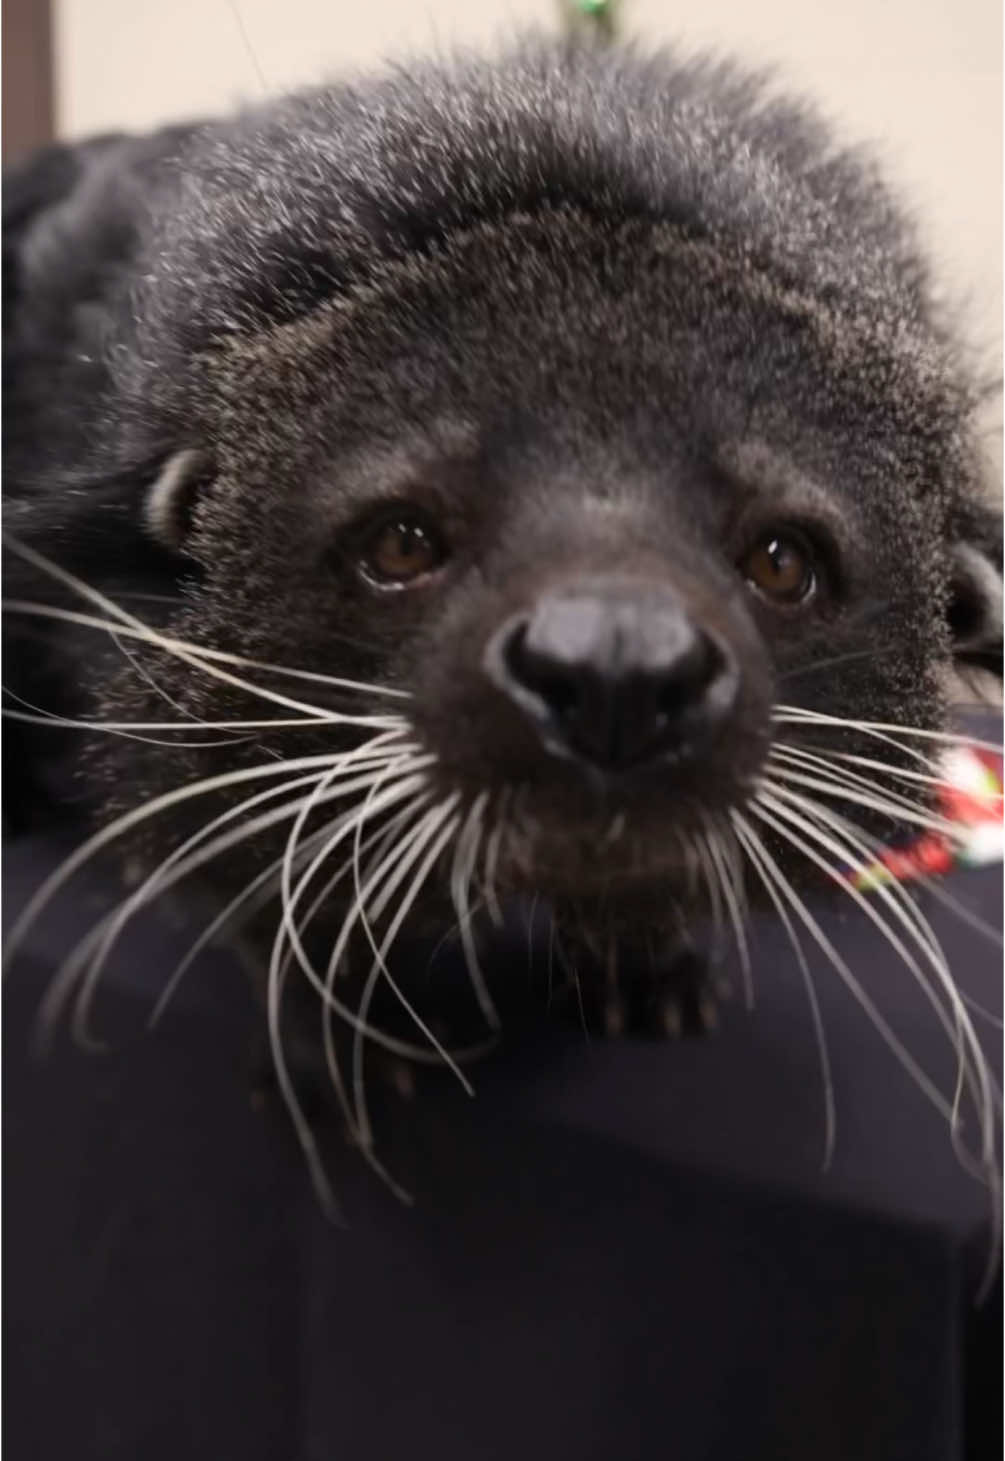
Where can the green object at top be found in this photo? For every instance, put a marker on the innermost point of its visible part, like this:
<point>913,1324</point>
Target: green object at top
<point>597,14</point>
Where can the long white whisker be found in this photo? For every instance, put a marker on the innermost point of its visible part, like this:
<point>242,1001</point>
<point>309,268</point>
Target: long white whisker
<point>204,661</point>
<point>715,847</point>
<point>65,723</point>
<point>920,1077</point>
<point>353,824</point>
<point>124,823</point>
<point>272,872</point>
<point>168,872</point>
<point>929,884</point>
<point>68,974</point>
<point>465,857</point>
<point>373,805</point>
<point>902,749</point>
<point>960,1028</point>
<point>420,1054</point>
<point>492,849</point>
<point>954,738</point>
<point>900,772</point>
<point>275,987</point>
<point>786,766</point>
<point>380,839</point>
<point>332,1005</point>
<point>792,809</point>
<point>355,1020</point>
<point>842,778</point>
<point>939,894</point>
<point>836,766</point>
<point>773,880</point>
<point>223,918</point>
<point>309,1147</point>
<point>319,791</point>
<point>120,727</point>
<point>431,824</point>
<point>121,824</point>
<point>905,910</point>
<point>345,827</point>
<point>962,912</point>
<point>140,669</point>
<point>708,870</point>
<point>531,916</point>
<point>445,938</point>
<point>124,618</point>
<point>973,1071</point>
<point>404,856</point>
<point>886,806</point>
<point>276,982</point>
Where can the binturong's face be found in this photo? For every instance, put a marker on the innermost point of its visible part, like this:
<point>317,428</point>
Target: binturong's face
<point>546,483</point>
<point>598,523</point>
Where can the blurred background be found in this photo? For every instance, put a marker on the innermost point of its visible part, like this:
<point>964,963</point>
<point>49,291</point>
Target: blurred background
<point>921,80</point>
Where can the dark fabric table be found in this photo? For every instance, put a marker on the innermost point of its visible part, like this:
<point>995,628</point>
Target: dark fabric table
<point>619,1250</point>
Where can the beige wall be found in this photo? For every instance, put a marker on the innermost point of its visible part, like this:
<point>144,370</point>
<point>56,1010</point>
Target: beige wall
<point>920,78</point>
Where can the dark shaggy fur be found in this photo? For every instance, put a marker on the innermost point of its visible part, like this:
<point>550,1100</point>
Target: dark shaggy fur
<point>596,313</point>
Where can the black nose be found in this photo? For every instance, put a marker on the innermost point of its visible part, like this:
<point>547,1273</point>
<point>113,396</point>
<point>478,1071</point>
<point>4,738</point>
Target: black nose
<point>616,674</point>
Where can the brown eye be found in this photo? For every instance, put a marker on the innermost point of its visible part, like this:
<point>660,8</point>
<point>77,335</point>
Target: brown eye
<point>780,567</point>
<point>403,548</point>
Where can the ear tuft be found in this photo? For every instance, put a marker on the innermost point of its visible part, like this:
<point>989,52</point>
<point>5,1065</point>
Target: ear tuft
<point>171,497</point>
<point>975,607</point>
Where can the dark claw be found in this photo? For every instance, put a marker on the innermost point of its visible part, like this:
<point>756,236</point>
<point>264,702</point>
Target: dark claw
<point>402,1078</point>
<point>671,1019</point>
<point>684,997</point>
<point>615,1017</point>
<point>708,1014</point>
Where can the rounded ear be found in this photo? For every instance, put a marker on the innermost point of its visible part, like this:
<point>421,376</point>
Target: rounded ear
<point>975,593</point>
<point>171,497</point>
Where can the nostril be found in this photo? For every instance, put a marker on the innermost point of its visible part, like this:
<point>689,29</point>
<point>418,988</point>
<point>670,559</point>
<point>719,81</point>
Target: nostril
<point>539,673</point>
<point>683,681</point>
<point>514,650</point>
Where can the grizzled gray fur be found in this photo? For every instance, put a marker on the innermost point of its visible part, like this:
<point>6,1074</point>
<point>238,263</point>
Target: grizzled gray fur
<point>600,316</point>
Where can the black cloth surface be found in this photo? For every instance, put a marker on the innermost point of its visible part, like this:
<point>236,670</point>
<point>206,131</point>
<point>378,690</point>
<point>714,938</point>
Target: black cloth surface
<point>618,1250</point>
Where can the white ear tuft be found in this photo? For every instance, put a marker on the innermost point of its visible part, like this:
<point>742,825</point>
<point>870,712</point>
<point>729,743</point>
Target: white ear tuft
<point>975,609</point>
<point>170,497</point>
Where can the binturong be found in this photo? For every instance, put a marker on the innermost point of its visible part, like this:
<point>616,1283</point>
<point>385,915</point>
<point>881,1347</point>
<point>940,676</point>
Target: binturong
<point>544,480</point>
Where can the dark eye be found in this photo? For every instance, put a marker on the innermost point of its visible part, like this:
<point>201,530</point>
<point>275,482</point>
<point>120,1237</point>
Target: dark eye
<point>780,567</point>
<point>402,548</point>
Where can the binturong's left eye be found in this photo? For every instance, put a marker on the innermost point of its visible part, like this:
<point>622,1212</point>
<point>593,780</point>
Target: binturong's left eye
<point>401,549</point>
<point>781,568</point>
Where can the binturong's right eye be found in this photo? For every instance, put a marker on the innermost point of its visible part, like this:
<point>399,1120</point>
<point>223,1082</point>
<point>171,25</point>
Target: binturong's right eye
<point>781,568</point>
<point>401,549</point>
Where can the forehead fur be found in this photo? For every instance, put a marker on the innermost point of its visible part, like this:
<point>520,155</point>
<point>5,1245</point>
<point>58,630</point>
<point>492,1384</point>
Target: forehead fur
<point>629,336</point>
<point>296,201</point>
<point>360,197</point>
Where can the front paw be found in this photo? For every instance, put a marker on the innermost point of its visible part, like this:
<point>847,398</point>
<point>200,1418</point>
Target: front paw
<point>685,997</point>
<point>676,995</point>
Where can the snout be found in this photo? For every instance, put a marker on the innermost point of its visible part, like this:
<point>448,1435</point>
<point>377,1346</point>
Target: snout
<point>614,673</point>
